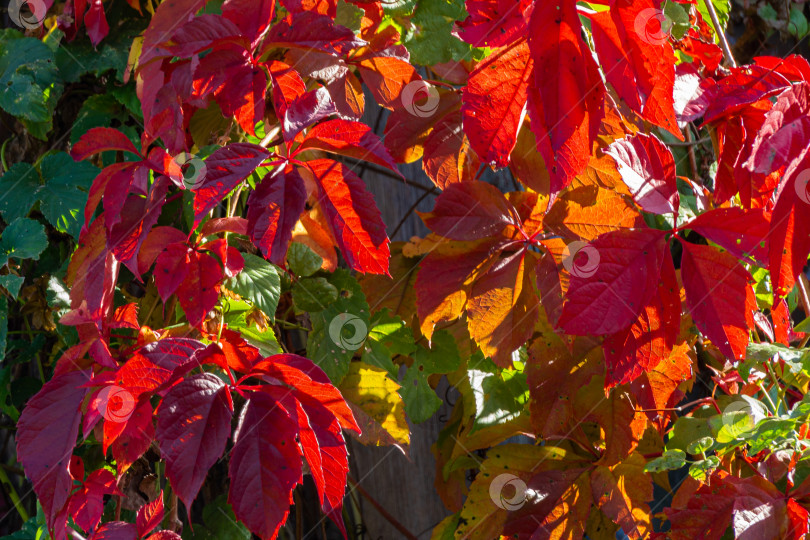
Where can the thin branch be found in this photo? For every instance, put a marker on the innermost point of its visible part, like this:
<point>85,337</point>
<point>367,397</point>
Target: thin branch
<point>718,29</point>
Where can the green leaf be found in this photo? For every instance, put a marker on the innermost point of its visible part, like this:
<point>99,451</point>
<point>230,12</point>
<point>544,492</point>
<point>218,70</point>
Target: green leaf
<point>678,19</point>
<point>670,461</point>
<point>30,531</point>
<point>722,7</point>
<point>398,7</point>
<point>18,186</point>
<point>313,294</point>
<point>797,25</point>
<point>429,39</point>
<point>700,446</point>
<point>700,470</point>
<point>803,327</point>
<point>500,394</point>
<point>220,523</point>
<point>64,195</point>
<point>236,317</point>
<point>78,57</point>
<point>442,357</point>
<point>421,401</point>
<point>23,239</point>
<point>259,283</point>
<point>302,260</point>
<point>340,329</point>
<point>686,430</point>
<point>29,83</point>
<point>12,284</point>
<point>772,433</point>
<point>389,337</point>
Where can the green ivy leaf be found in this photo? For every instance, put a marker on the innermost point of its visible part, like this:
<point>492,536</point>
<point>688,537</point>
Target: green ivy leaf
<point>340,329</point>
<point>421,401</point>
<point>259,283</point>
<point>430,40</point>
<point>12,284</point>
<point>79,57</point>
<point>220,523</point>
<point>442,357</point>
<point>700,470</point>
<point>19,186</point>
<point>313,294</point>
<point>64,194</point>
<point>500,394</point>
<point>669,461</point>
<point>23,239</point>
<point>29,82</point>
<point>302,260</point>
<point>797,25</point>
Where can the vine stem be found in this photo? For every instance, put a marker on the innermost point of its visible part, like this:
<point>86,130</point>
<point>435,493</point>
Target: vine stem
<point>720,34</point>
<point>801,282</point>
<point>383,512</point>
<point>12,493</point>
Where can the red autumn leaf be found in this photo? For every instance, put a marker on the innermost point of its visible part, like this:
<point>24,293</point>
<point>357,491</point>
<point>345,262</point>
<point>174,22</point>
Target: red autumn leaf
<point>195,277</point>
<point>138,216</point>
<point>101,139</point>
<point>449,158</point>
<point>87,504</point>
<point>494,23</point>
<point>353,139</point>
<point>149,515</point>
<point>784,133</point>
<point>353,217</point>
<point>638,59</point>
<point>503,307</point>
<point>92,274</point>
<point>719,296</point>
<point>650,339</point>
<point>308,30</point>
<point>237,83</point>
<point>151,366</point>
<point>46,436</point>
<point>493,103</point>
<point>743,233</point>
<point>790,227</point>
<point>273,210</point>
<point>115,530</point>
<point>566,109</point>
<point>607,295</point>
<point>252,18</point>
<point>96,22</point>
<point>745,85</point>
<point>310,383</point>
<point>306,110</point>
<point>165,535</point>
<point>130,439</point>
<point>236,225</point>
<point>265,465</point>
<point>794,67</point>
<point>287,86</point>
<point>471,211</point>
<point>648,168</point>
<point>193,426</point>
<point>201,33</point>
<point>754,508</point>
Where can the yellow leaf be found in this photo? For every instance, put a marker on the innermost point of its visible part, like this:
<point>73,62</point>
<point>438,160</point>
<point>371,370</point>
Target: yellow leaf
<point>377,406</point>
